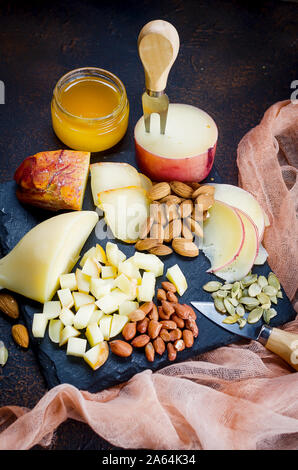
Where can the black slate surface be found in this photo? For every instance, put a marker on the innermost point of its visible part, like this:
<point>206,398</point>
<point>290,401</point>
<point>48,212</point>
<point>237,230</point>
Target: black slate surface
<point>16,220</point>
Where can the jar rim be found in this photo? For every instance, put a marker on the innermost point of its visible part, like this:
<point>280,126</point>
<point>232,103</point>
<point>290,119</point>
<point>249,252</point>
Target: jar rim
<point>91,71</point>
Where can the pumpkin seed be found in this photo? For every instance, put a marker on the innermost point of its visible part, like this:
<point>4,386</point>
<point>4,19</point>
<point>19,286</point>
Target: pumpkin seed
<point>249,301</point>
<point>219,305</point>
<point>263,298</point>
<point>242,322</point>
<point>235,289</point>
<point>227,286</point>
<point>273,299</point>
<point>233,301</point>
<point>273,281</point>
<point>229,307</point>
<point>254,289</point>
<point>222,294</point>
<point>270,290</point>
<point>240,310</point>
<point>248,280</point>
<point>268,314</point>
<point>231,319</point>
<point>245,292</point>
<point>212,286</point>
<point>279,295</point>
<point>239,294</point>
<point>266,306</point>
<point>262,281</point>
<point>255,315</point>
<point>214,295</point>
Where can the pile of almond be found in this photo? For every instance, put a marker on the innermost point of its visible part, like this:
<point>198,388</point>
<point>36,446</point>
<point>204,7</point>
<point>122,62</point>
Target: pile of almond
<point>177,212</point>
<point>169,326</point>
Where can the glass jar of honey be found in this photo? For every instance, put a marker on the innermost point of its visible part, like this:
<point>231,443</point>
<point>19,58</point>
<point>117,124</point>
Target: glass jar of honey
<point>90,109</point>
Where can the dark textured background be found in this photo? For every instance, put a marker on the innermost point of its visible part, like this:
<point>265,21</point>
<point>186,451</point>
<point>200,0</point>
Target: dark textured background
<point>235,60</point>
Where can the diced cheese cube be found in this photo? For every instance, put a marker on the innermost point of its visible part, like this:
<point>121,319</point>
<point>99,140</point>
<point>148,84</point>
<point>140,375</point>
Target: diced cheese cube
<point>68,281</point>
<point>66,316</point>
<point>39,325</point>
<point>52,309</point>
<point>76,346</point>
<point>65,297</point>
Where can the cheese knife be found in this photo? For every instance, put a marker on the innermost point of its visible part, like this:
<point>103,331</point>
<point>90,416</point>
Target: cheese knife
<point>280,342</point>
<point>158,46</point>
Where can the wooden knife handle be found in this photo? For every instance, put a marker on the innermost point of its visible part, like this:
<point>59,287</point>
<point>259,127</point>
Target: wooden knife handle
<point>284,344</point>
<point>158,46</point>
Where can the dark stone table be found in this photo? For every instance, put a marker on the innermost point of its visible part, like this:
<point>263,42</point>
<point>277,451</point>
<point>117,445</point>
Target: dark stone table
<point>235,60</point>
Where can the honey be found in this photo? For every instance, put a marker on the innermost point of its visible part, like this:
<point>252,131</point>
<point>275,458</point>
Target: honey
<point>90,110</point>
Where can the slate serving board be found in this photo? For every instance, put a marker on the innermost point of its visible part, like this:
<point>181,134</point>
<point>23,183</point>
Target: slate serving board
<point>57,368</point>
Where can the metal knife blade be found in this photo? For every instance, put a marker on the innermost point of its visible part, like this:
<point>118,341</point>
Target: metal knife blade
<point>249,331</point>
<point>155,102</point>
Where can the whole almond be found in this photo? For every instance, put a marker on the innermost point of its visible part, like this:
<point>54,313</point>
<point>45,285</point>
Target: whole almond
<point>205,201</point>
<point>194,185</point>
<point>197,213</point>
<point>159,190</point>
<point>191,312</point>
<point>145,227</point>
<point>175,334</point>
<point>171,297</point>
<point>146,307</point>
<point>140,341</point>
<point>204,189</point>
<point>191,325</point>
<point>9,305</point>
<point>172,352</point>
<point>146,244</point>
<point>129,331</point>
<point>162,314</point>
<point>159,345</point>
<point>185,247</point>
<point>157,213</point>
<point>181,189</point>
<point>168,286</point>
<point>142,325</point>
<point>165,335</point>
<point>153,315</point>
<point>136,315</point>
<point>120,348</point>
<point>167,307</point>
<point>178,320</point>
<point>187,338</point>
<point>168,324</point>
<point>154,328</point>
<point>185,208</point>
<point>149,352</point>
<point>172,212</point>
<point>181,311</point>
<point>20,335</point>
<point>157,232</point>
<point>161,250</point>
<point>186,232</point>
<point>161,294</point>
<point>171,199</point>
<point>172,230</point>
<point>195,227</point>
<point>179,345</point>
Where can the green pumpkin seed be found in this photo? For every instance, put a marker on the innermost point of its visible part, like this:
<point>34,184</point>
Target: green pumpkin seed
<point>279,295</point>
<point>233,301</point>
<point>240,310</point>
<point>231,319</point>
<point>242,322</point>
<point>273,299</point>
<point>249,301</point>
<point>255,315</point>
<point>266,306</point>
<point>222,294</point>
<point>248,280</point>
<point>262,281</point>
<point>245,292</point>
<point>268,314</point>
<point>212,286</point>
<point>229,307</point>
<point>227,286</point>
<point>235,289</point>
<point>239,294</point>
<point>263,298</point>
<point>254,289</point>
<point>219,305</point>
<point>214,295</point>
<point>270,290</point>
<point>273,281</point>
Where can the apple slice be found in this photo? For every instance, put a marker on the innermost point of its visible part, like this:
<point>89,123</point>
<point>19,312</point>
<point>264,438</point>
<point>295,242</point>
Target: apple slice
<point>94,334</point>
<point>261,256</point>
<point>243,263</point>
<point>108,304</point>
<point>88,254</point>
<point>126,285</point>
<point>108,272</point>
<point>118,323</point>
<point>39,325</point>
<point>114,255</point>
<point>76,346</point>
<point>91,268</point>
<point>105,324</point>
<point>83,315</point>
<point>34,266</point>
<point>97,356</point>
<point>243,200</point>
<point>223,235</point>
<point>125,211</point>
<point>101,287</point>
<point>80,299</point>
<point>68,281</point>
<point>146,182</point>
<point>127,307</point>
<point>68,332</point>
<point>83,281</point>
<point>176,276</point>
<point>128,268</point>
<point>67,316</point>
<point>52,309</point>
<point>112,175</point>
<point>65,297</point>
<point>148,262</point>
<point>55,328</point>
<point>147,288</point>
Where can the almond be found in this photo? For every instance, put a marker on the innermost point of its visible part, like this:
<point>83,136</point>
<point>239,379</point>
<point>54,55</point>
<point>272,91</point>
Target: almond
<point>159,190</point>
<point>179,345</point>
<point>172,353</point>
<point>190,311</point>
<point>129,331</point>
<point>195,227</point>
<point>175,334</point>
<point>162,314</point>
<point>140,341</point>
<point>185,247</point>
<point>165,335</point>
<point>137,315</point>
<point>157,232</point>
<point>168,324</point>
<point>178,320</point>
<point>167,307</point>
<point>146,244</point>
<point>168,286</point>
<point>9,305</point>
<point>158,214</point>
<point>161,294</point>
<point>159,345</point>
<point>197,213</point>
<point>186,232</point>
<point>185,208</point>
<point>172,212</point>
<point>142,325</point>
<point>191,325</point>
<point>171,297</point>
<point>204,189</point>
<point>20,335</point>
<point>161,250</point>
<point>181,311</point>
<point>154,328</point>
<point>171,199</point>
<point>146,307</point>
<point>153,315</point>
<point>194,185</point>
<point>187,338</point>
<point>172,230</point>
<point>145,227</point>
<point>181,189</point>
<point>205,201</point>
<point>149,352</point>
<point>120,348</point>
